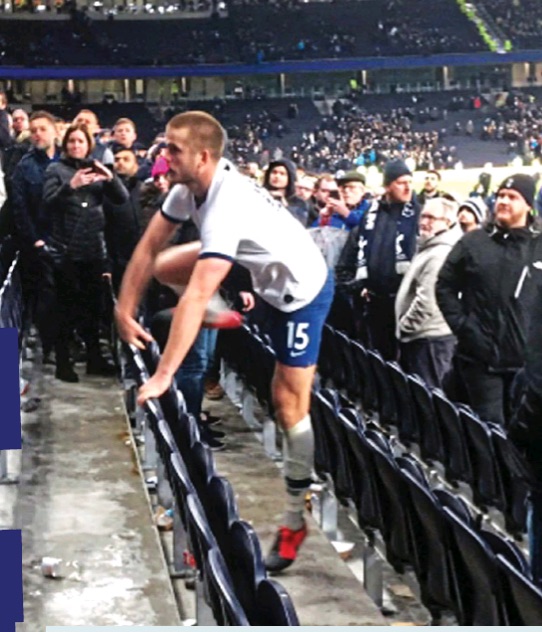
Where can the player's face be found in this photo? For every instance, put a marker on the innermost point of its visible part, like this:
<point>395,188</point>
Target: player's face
<point>183,159</point>
<point>511,209</point>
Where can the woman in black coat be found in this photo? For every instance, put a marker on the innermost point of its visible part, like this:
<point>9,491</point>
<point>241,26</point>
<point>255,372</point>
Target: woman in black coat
<point>74,191</point>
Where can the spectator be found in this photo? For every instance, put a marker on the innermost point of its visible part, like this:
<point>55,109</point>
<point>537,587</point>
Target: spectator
<point>377,255</point>
<point>426,342</point>
<point>100,151</point>
<point>430,187</point>
<point>124,133</point>
<point>125,223</point>
<point>32,227</point>
<point>73,193</point>
<point>20,125</point>
<point>280,179</point>
<point>472,214</point>
<point>484,291</point>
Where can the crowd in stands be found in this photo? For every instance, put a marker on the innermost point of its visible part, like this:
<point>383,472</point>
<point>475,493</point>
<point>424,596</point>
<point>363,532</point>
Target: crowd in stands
<point>252,33</point>
<point>520,21</point>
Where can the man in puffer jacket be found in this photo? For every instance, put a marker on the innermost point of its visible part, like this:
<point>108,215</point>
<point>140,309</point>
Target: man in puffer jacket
<point>426,342</point>
<point>485,292</point>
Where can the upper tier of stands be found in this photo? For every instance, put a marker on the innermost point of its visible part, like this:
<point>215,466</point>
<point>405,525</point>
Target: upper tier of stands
<point>253,33</point>
<point>521,20</point>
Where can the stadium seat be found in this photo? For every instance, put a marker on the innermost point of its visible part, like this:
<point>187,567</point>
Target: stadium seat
<point>345,352</point>
<point>456,456</point>
<point>434,571</point>
<point>482,601</point>
<point>387,409</point>
<point>221,508</point>
<point>394,502</point>
<point>225,605</point>
<point>364,374</point>
<point>515,480</point>
<point>430,438</point>
<point>275,606</point>
<point>243,557</point>
<point>406,418</point>
<point>486,484</point>
<point>524,598</point>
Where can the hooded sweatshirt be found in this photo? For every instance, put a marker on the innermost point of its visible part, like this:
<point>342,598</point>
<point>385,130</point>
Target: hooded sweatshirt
<point>416,309</point>
<point>297,207</point>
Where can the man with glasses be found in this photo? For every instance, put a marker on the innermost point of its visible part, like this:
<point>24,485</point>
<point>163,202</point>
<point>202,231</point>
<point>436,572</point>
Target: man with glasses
<point>426,341</point>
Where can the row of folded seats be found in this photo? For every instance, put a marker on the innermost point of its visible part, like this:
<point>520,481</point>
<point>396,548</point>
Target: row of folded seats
<point>479,575</point>
<point>225,550</point>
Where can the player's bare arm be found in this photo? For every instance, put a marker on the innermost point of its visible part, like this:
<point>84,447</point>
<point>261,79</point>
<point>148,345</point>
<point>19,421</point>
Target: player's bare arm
<point>206,278</point>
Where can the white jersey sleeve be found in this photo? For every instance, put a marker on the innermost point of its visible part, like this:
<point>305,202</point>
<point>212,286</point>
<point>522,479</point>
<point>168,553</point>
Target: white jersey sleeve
<point>176,206</point>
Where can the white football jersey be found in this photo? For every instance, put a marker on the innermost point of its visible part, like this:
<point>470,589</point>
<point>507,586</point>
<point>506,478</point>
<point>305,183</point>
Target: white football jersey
<point>240,221</point>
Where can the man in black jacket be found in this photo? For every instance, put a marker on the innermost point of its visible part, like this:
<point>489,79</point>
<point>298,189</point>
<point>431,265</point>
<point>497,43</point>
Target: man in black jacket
<point>32,225</point>
<point>485,292</point>
<point>377,255</point>
<point>124,222</point>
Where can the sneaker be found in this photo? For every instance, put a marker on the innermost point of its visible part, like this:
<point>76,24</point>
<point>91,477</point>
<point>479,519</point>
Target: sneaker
<point>207,420</point>
<point>284,549</point>
<point>228,319</point>
<point>218,315</point>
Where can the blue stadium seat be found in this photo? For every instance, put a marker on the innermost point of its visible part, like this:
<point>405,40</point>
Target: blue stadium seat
<point>275,606</point>
<point>364,374</point>
<point>456,456</point>
<point>430,438</point>
<point>225,605</point>
<point>524,598</point>
<point>406,417</point>
<point>387,405</point>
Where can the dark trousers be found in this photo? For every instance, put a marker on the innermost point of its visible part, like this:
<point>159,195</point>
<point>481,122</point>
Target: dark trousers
<point>39,297</point>
<point>489,393</point>
<point>430,358</point>
<point>380,321</point>
<point>190,377</point>
<point>79,299</point>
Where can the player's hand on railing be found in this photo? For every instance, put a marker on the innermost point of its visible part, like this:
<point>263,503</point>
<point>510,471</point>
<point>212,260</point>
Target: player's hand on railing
<point>130,330</point>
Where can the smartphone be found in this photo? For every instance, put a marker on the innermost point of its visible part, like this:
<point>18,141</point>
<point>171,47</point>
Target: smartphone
<point>335,195</point>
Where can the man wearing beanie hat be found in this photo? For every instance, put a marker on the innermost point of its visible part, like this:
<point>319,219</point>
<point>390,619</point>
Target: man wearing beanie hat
<point>485,292</point>
<point>471,214</point>
<point>377,255</point>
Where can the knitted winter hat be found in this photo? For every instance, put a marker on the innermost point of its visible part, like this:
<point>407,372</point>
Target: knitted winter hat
<point>160,167</point>
<point>395,169</point>
<point>477,207</point>
<point>523,184</point>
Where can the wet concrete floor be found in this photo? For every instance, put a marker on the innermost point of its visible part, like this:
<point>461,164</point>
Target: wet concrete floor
<point>81,498</point>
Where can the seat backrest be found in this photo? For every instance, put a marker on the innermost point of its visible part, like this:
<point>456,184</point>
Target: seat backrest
<point>525,603</point>
<point>224,603</point>
<point>487,487</point>
<point>201,467</point>
<point>387,409</point>
<point>430,438</point>
<point>221,508</point>
<point>275,606</point>
<point>368,388</point>
<point>244,559</point>
<point>457,460</point>
<point>406,419</point>
<point>201,537</point>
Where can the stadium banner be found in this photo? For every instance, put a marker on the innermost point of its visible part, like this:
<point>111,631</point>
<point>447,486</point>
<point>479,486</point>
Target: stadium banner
<point>11,552</point>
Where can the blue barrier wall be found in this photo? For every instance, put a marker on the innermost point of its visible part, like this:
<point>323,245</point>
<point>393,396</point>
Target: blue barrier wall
<point>321,65</point>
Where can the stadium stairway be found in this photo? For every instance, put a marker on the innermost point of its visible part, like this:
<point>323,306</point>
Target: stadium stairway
<point>82,498</point>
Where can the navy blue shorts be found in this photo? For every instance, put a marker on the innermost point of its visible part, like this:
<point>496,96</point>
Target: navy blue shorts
<point>296,336</point>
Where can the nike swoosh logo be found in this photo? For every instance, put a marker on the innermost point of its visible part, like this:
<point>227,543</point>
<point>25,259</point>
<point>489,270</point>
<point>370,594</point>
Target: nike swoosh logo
<point>295,354</point>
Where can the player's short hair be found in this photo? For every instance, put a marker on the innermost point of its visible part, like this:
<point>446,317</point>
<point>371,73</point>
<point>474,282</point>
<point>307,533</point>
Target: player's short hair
<point>205,132</point>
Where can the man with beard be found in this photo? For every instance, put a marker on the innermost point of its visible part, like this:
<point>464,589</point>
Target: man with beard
<point>485,292</point>
<point>32,225</point>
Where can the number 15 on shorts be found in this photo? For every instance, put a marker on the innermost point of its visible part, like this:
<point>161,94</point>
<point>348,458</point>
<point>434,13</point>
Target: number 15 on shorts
<point>298,339</point>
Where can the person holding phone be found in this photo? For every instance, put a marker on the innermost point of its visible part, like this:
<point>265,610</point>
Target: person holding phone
<point>73,194</point>
<point>345,201</point>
